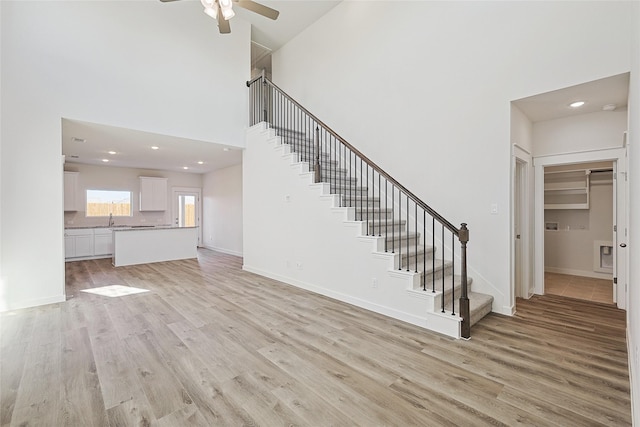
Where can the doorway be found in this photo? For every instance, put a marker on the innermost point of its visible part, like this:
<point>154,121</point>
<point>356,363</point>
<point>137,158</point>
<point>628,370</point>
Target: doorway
<point>187,209</point>
<point>549,227</point>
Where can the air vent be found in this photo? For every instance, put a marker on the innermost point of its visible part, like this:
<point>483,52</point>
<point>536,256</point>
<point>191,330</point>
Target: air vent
<point>75,139</point>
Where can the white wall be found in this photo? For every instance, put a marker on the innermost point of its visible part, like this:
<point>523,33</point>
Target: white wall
<point>633,312</point>
<point>521,130</point>
<point>152,66</point>
<point>582,132</point>
<point>222,210</point>
<point>93,177</point>
<point>424,89</point>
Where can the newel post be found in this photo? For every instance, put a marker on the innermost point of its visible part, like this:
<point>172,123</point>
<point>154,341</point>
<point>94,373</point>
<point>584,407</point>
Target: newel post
<point>316,167</point>
<point>465,327</point>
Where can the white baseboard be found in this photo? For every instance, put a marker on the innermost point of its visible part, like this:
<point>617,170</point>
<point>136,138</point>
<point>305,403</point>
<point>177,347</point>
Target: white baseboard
<point>223,250</point>
<point>583,273</point>
<point>36,302</point>
<point>446,325</point>
<point>635,403</point>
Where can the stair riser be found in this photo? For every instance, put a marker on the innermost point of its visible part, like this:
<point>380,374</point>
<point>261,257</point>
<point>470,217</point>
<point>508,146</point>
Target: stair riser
<point>342,181</point>
<point>363,215</point>
<point>430,275</point>
<point>356,202</point>
<point>334,175</point>
<point>375,227</point>
<point>306,156</point>
<point>393,243</point>
<point>350,191</point>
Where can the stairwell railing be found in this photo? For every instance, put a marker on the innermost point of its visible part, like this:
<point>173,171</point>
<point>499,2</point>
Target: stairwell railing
<point>412,229</point>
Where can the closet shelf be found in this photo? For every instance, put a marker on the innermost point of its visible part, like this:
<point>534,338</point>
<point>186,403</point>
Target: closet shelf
<point>567,189</point>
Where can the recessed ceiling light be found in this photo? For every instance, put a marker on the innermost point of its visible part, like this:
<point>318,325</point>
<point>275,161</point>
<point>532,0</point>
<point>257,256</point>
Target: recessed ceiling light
<point>185,167</point>
<point>112,152</point>
<point>576,104</point>
<point>609,107</point>
<point>201,162</point>
<point>155,147</point>
<point>105,160</point>
<point>225,149</point>
<point>74,139</point>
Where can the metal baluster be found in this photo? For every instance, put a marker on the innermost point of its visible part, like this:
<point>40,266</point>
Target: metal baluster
<point>393,229</point>
<point>373,214</point>
<point>400,229</point>
<point>453,276</point>
<point>407,234</point>
<point>360,207</point>
<point>415,230</point>
<point>442,267</point>
<point>424,247</point>
<point>386,222</point>
<point>433,254</point>
<point>380,205</point>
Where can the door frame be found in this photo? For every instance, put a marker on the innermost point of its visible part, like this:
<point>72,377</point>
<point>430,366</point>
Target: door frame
<point>616,155</point>
<point>521,162</point>
<point>175,191</point>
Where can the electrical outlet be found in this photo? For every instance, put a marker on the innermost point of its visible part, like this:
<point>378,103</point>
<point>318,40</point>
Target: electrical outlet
<point>374,283</point>
<point>287,198</point>
<point>299,265</point>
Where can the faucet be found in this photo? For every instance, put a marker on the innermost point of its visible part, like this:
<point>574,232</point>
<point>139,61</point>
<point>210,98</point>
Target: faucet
<point>110,220</point>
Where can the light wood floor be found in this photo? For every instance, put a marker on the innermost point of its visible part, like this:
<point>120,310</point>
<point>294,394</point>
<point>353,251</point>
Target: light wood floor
<point>212,345</point>
<point>586,288</point>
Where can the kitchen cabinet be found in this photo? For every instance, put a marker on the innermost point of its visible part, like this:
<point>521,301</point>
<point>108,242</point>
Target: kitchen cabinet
<point>78,242</point>
<point>102,241</point>
<point>71,199</point>
<point>153,194</point>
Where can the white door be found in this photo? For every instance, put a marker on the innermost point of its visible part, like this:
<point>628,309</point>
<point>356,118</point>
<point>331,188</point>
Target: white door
<point>518,220</point>
<point>186,209</point>
<point>620,234</point>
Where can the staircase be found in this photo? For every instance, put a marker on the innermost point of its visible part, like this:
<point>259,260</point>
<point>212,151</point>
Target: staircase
<point>424,265</point>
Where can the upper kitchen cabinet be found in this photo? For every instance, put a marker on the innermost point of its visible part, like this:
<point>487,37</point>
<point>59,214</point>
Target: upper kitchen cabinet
<point>153,194</point>
<point>71,201</point>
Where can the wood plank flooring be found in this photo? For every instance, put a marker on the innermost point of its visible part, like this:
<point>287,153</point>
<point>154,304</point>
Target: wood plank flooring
<point>212,345</point>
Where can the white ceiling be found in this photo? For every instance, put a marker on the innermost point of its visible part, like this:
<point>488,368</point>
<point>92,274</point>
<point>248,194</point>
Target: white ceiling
<point>295,16</point>
<point>133,149</point>
<point>596,94</point>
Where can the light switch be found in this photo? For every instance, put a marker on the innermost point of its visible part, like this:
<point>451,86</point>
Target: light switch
<point>494,209</point>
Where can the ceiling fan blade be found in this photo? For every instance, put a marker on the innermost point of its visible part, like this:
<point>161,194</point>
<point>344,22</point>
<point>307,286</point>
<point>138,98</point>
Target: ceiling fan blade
<point>258,8</point>
<point>223,24</point>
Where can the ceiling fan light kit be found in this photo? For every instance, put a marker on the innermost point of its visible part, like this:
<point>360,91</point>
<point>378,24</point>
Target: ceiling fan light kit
<point>222,11</point>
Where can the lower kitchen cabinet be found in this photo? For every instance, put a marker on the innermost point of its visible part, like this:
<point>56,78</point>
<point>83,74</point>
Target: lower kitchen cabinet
<point>87,243</point>
<point>103,242</point>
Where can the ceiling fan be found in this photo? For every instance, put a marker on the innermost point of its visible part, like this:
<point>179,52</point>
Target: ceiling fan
<point>222,10</point>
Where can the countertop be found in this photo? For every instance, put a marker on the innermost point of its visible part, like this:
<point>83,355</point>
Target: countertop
<point>127,227</point>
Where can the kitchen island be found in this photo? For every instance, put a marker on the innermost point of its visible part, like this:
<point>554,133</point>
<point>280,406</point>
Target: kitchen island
<point>141,245</point>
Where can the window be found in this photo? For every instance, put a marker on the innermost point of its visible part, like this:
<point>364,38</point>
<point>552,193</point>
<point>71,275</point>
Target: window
<point>105,203</point>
